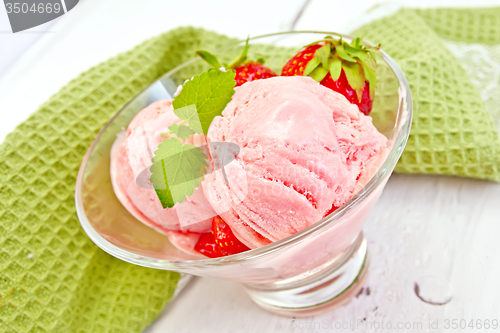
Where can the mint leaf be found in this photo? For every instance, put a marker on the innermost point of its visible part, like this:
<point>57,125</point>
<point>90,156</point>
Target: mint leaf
<point>209,92</point>
<point>190,114</point>
<point>176,171</point>
<point>181,131</point>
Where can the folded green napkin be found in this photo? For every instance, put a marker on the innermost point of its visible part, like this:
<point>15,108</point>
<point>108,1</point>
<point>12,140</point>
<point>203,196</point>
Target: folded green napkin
<point>452,132</point>
<point>54,279</point>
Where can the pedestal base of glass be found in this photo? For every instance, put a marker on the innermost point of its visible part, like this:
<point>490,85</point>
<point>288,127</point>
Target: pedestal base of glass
<point>329,288</point>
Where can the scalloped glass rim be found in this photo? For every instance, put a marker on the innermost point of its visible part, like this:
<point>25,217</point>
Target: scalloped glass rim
<point>402,124</point>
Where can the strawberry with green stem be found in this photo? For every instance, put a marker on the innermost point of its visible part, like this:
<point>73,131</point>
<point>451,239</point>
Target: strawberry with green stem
<point>348,68</point>
<point>246,70</point>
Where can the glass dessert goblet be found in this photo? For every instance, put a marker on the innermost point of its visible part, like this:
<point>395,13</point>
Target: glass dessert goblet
<point>317,268</point>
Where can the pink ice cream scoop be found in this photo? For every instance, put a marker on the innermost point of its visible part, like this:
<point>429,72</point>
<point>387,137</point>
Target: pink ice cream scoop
<point>304,151</point>
<point>130,162</point>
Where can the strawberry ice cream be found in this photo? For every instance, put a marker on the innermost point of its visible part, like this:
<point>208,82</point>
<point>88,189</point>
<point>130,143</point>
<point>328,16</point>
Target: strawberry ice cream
<point>305,150</point>
<point>130,162</point>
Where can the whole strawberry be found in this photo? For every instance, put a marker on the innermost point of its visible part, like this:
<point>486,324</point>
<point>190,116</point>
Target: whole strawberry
<point>246,70</point>
<point>251,71</point>
<point>346,68</point>
<point>220,242</point>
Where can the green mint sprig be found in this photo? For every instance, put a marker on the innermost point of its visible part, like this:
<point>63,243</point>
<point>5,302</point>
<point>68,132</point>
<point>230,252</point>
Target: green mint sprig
<point>179,168</point>
<point>181,131</point>
<point>204,97</point>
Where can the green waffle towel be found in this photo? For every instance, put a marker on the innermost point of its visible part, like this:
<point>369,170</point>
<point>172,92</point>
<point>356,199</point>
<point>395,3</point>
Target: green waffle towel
<point>54,279</point>
<point>453,132</point>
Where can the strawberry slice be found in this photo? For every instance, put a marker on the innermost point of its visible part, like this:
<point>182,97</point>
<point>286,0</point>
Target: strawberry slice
<point>246,70</point>
<point>331,210</point>
<point>220,242</point>
<point>348,69</point>
<point>224,237</point>
<point>206,245</point>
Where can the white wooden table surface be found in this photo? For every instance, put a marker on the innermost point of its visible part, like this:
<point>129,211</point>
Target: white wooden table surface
<point>439,232</point>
